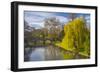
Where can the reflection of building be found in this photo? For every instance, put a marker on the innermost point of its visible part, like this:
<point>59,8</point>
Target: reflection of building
<point>53,53</point>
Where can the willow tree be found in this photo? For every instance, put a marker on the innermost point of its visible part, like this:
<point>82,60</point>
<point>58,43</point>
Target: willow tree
<point>77,37</point>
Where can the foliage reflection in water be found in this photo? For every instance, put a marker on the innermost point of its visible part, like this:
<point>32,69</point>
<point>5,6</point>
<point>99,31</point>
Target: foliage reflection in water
<point>48,53</point>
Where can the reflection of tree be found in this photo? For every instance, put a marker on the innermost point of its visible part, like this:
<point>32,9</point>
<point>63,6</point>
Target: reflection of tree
<point>53,53</point>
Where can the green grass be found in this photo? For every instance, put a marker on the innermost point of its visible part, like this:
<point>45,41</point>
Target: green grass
<point>63,46</point>
<point>67,56</point>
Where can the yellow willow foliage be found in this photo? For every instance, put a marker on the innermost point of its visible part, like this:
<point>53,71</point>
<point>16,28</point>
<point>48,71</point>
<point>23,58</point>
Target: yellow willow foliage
<point>77,36</point>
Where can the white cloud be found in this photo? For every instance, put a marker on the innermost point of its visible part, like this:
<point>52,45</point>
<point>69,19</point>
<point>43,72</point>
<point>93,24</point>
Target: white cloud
<point>87,17</point>
<point>37,18</point>
<point>62,19</point>
<point>37,24</point>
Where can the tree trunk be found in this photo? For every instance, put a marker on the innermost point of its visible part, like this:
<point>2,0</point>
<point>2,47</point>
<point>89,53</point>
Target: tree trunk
<point>76,52</point>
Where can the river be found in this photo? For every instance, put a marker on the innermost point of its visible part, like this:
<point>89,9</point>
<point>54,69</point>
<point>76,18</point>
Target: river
<point>47,53</point>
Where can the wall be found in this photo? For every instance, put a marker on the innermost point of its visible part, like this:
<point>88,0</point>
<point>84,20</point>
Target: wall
<point>5,35</point>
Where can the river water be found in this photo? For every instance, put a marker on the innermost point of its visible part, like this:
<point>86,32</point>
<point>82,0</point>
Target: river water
<point>46,53</point>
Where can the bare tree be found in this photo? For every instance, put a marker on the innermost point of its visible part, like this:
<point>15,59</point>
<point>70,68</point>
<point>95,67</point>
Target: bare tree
<point>53,25</point>
<point>72,16</point>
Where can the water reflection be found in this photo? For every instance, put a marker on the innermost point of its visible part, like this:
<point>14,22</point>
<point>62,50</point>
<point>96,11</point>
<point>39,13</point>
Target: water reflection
<point>37,54</point>
<point>47,53</point>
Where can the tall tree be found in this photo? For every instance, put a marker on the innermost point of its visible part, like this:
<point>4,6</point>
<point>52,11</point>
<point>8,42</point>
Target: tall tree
<point>53,25</point>
<point>77,36</point>
<point>72,16</point>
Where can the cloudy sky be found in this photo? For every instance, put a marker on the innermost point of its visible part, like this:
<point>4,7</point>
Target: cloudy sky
<point>36,19</point>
